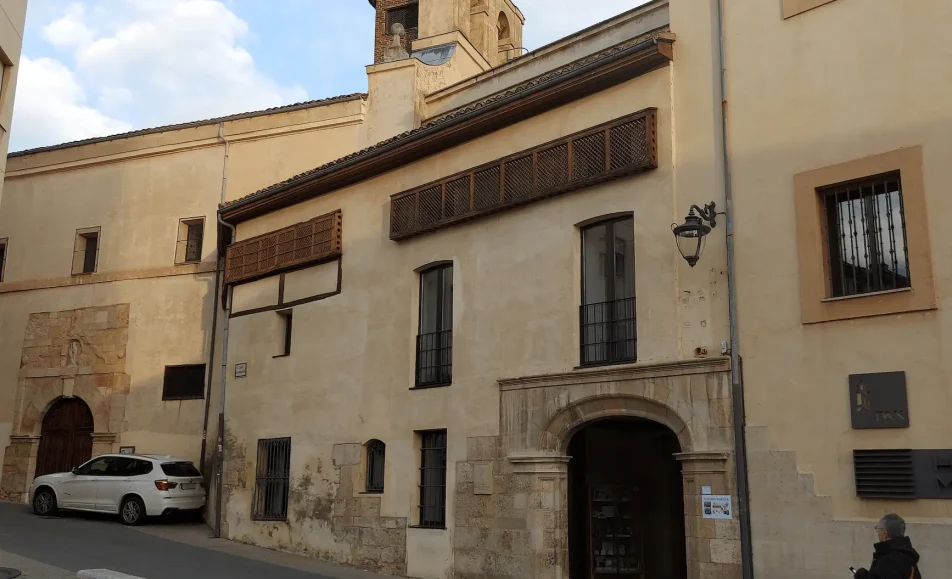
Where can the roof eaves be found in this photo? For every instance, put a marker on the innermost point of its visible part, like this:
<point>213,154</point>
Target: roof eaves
<point>449,119</point>
<point>192,124</point>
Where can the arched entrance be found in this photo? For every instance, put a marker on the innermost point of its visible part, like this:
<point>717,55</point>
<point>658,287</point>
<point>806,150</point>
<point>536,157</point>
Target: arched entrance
<point>66,438</point>
<point>626,501</point>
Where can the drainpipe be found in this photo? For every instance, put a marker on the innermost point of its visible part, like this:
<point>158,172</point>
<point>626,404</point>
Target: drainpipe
<point>226,295</point>
<point>737,377</point>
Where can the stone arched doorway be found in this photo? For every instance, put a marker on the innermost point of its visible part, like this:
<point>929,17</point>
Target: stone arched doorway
<point>65,437</point>
<point>625,500</point>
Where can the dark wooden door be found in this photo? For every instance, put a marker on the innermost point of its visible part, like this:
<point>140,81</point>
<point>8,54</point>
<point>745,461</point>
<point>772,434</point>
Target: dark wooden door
<point>66,439</point>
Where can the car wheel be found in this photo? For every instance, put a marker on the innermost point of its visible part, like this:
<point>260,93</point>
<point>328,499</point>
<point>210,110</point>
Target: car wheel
<point>44,503</point>
<point>132,511</point>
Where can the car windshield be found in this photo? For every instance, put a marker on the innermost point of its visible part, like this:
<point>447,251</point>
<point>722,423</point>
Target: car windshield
<point>180,469</point>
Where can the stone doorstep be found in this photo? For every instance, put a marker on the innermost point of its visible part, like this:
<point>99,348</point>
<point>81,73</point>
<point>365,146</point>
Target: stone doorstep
<point>103,574</point>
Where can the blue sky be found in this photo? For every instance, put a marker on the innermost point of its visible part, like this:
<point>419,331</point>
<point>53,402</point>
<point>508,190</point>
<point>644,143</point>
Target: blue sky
<point>98,67</point>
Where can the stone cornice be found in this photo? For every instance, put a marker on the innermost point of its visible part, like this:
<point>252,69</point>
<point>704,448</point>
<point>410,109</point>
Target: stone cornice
<point>618,373</point>
<point>106,277</point>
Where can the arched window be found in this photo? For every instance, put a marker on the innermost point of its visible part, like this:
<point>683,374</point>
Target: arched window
<point>608,332</point>
<point>376,457</point>
<point>503,28</point>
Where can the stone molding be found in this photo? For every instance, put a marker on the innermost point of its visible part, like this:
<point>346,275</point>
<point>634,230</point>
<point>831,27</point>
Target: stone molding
<point>618,373</point>
<point>703,462</point>
<point>539,463</point>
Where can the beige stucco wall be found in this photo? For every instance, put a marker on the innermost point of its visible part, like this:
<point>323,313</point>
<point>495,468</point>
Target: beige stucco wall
<point>137,189</point>
<point>12,20</point>
<point>516,296</point>
<point>808,92</point>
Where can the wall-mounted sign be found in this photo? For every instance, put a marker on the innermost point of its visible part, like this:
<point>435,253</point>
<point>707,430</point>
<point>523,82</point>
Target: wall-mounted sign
<point>705,490</point>
<point>717,507</point>
<point>933,474</point>
<point>127,450</point>
<point>879,400</point>
<point>241,370</point>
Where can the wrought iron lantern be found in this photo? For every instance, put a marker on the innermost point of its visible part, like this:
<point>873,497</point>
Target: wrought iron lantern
<point>690,234</point>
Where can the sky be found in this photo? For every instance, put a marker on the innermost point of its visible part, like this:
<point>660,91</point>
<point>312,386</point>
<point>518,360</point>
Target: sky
<point>92,68</point>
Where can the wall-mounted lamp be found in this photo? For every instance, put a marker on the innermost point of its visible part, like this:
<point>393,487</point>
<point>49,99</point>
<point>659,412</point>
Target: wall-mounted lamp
<point>690,234</point>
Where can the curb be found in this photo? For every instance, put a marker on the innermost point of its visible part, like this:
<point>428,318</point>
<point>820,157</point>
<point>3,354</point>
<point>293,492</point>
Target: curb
<point>103,574</point>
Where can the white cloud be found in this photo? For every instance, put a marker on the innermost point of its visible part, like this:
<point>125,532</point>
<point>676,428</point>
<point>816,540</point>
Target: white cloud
<point>51,107</point>
<point>150,63</point>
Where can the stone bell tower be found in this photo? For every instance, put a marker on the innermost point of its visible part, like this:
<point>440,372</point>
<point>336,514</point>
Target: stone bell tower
<point>424,46</point>
<point>492,27</point>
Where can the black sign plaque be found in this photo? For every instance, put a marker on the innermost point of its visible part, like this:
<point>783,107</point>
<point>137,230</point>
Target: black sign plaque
<point>879,400</point>
<point>933,474</point>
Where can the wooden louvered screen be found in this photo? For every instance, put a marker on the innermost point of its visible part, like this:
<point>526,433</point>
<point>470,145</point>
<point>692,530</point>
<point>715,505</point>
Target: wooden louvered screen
<point>884,474</point>
<point>305,243</point>
<point>613,150</point>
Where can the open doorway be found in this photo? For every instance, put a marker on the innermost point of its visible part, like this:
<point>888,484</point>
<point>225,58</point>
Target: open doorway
<point>626,502</point>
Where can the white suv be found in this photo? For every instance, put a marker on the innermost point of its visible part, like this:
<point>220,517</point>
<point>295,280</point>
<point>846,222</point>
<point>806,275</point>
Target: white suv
<point>134,486</point>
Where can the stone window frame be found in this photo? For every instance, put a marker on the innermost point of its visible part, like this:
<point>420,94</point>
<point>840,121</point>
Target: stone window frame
<point>816,305</point>
<point>79,249</point>
<point>793,7</point>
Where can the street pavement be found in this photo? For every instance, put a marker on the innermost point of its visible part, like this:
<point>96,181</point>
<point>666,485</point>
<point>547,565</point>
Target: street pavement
<point>56,548</point>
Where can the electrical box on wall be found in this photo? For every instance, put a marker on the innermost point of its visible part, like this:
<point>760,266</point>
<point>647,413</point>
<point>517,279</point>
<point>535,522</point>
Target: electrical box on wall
<point>879,400</point>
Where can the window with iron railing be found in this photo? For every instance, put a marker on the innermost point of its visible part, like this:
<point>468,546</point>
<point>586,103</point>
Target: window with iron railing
<point>866,236</point>
<point>433,479</point>
<point>607,314</point>
<point>434,348</point>
<point>376,457</point>
<point>272,480</point>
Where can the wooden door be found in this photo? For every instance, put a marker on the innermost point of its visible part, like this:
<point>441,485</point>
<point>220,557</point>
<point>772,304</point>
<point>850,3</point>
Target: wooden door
<point>66,439</point>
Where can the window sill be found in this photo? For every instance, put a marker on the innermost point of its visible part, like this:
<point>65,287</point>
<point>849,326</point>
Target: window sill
<point>376,493</point>
<point>188,262</point>
<point>867,295</point>
<point>426,528</point>
<point>604,364</point>
<point>281,356</point>
<point>181,399</point>
<point>82,273</point>
<point>429,386</point>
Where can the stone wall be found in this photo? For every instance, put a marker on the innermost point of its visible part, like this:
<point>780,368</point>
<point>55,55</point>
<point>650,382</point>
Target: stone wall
<point>73,353</point>
<point>796,534</point>
<point>327,517</point>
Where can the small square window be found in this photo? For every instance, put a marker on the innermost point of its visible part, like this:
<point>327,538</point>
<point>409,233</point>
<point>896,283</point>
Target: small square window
<point>86,251</point>
<point>184,382</point>
<point>188,248</point>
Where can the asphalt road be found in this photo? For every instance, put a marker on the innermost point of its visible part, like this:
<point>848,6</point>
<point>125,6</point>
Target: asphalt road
<point>76,542</point>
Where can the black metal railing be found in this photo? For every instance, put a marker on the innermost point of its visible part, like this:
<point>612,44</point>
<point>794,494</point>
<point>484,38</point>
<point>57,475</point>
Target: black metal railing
<point>866,228</point>
<point>376,458</point>
<point>433,479</point>
<point>434,359</point>
<point>272,480</point>
<point>608,332</point>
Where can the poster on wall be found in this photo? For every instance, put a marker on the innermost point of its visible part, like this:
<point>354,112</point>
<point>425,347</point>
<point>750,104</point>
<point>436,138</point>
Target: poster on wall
<point>127,450</point>
<point>717,507</point>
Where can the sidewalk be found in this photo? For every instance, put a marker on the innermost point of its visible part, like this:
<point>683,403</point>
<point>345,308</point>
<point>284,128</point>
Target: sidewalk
<point>202,536</point>
<point>33,569</point>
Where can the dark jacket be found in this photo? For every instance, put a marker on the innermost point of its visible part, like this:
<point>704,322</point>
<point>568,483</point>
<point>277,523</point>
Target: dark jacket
<point>893,559</point>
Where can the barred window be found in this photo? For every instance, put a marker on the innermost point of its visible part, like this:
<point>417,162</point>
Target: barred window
<point>272,480</point>
<point>184,382</point>
<point>607,314</point>
<point>433,479</point>
<point>191,234</point>
<point>376,457</point>
<point>408,16</point>
<point>866,235</point>
<point>434,364</point>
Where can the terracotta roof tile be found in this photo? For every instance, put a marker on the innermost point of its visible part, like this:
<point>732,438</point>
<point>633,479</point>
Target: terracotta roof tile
<point>192,124</point>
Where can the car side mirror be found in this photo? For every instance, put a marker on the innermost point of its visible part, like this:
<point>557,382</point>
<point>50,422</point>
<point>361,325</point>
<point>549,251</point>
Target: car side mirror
<point>75,470</point>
